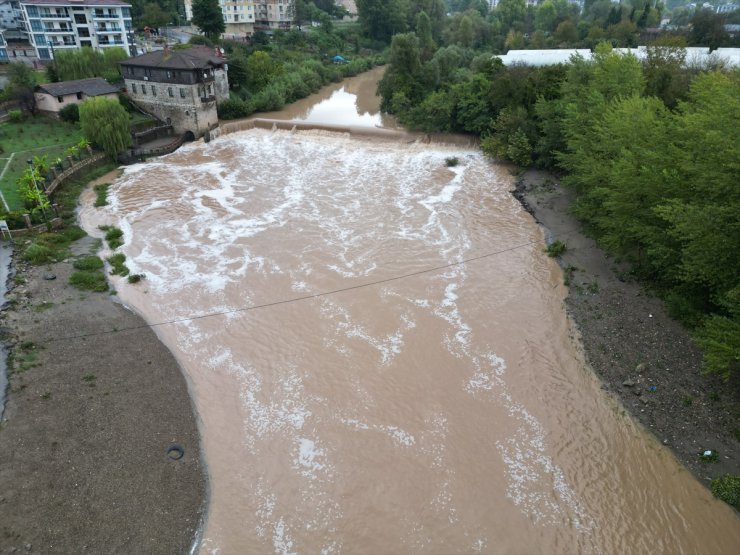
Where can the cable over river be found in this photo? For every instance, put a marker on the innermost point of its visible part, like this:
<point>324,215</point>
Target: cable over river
<point>379,354</point>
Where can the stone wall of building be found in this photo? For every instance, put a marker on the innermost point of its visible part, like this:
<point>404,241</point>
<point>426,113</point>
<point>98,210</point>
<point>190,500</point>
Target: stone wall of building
<point>178,105</point>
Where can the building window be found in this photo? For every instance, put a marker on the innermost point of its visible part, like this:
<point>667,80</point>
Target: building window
<point>36,25</point>
<point>182,93</point>
<point>133,88</point>
<point>154,91</point>
<point>33,11</point>
<point>143,90</point>
<point>79,96</point>
<point>169,75</point>
<point>60,99</point>
<point>169,92</point>
<point>40,40</point>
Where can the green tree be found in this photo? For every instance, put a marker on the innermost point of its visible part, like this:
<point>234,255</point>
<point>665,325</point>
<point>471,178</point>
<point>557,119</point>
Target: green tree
<point>511,12</point>
<point>381,19</point>
<point>105,123</point>
<point>404,71</point>
<point>21,83</point>
<point>708,29</point>
<point>424,32</point>
<point>261,69</point>
<point>154,16</point>
<point>238,72</point>
<point>207,16</point>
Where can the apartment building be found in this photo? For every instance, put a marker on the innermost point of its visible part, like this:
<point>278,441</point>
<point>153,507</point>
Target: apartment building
<point>63,24</point>
<point>11,20</point>
<point>244,17</point>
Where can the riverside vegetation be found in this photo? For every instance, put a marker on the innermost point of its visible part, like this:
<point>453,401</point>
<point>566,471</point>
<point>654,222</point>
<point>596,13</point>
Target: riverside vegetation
<point>650,148</point>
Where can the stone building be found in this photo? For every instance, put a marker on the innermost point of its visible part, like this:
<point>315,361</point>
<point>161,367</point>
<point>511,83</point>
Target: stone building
<point>181,87</point>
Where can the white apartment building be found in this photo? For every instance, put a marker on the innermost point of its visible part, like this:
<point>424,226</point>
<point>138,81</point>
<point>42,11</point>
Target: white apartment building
<point>64,24</point>
<point>11,19</point>
<point>244,17</point>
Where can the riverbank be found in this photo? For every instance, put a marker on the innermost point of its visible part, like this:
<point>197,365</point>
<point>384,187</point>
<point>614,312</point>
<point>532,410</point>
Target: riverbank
<point>85,443</point>
<point>642,356</point>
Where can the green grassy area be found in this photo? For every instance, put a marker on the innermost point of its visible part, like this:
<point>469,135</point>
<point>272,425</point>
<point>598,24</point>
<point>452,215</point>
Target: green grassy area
<point>36,136</point>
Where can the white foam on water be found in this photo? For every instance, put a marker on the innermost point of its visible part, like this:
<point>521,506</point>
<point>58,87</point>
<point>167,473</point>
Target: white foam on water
<point>398,435</point>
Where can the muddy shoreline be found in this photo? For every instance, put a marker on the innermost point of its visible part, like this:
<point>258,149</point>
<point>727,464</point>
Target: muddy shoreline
<point>85,442</point>
<point>641,355</point>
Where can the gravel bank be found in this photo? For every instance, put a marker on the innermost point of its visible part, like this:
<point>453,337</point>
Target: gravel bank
<point>85,459</point>
<point>642,356</point>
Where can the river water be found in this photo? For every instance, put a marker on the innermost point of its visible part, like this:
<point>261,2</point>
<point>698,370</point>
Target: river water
<point>379,354</point>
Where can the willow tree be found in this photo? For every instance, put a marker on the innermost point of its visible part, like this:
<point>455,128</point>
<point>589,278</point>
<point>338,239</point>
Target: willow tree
<point>105,123</point>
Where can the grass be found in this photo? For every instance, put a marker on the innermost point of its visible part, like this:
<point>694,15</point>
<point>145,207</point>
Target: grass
<point>136,278</point>
<point>452,161</point>
<point>88,263</point>
<point>117,261</point>
<point>113,236</point>
<point>727,488</point>
<point>556,248</point>
<point>89,281</point>
<point>35,136</point>
<point>52,246</point>
<point>102,194</point>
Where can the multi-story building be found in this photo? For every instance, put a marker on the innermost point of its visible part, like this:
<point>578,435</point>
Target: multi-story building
<point>11,20</point>
<point>59,24</point>
<point>3,47</point>
<point>243,17</point>
<point>180,87</point>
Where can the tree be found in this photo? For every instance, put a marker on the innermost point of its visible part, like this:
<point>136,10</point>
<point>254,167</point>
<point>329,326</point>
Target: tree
<point>105,123</point>
<point>22,82</point>
<point>155,16</point>
<point>261,69</point>
<point>298,12</point>
<point>381,19</point>
<point>424,32</point>
<point>708,29</point>
<point>208,18</point>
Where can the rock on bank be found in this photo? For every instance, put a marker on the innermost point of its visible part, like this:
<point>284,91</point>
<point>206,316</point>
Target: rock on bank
<point>89,419</point>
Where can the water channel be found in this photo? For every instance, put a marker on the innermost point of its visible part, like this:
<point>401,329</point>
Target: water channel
<point>379,354</point>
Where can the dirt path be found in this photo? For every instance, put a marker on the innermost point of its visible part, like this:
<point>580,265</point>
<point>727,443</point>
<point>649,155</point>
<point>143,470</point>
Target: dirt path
<point>89,420</point>
<point>642,356</point>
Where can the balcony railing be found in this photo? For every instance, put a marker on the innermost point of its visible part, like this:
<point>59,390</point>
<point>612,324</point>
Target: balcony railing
<point>210,98</point>
<point>110,42</point>
<point>108,29</point>
<point>51,30</point>
<point>54,16</point>
<point>106,16</point>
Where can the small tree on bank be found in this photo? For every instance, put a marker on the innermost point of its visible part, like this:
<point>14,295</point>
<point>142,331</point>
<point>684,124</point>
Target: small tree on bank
<point>105,123</point>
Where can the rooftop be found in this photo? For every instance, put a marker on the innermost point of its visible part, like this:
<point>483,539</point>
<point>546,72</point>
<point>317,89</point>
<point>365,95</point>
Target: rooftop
<point>195,57</point>
<point>95,86</point>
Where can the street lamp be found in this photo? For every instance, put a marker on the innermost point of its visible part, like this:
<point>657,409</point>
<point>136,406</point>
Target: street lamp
<point>36,186</point>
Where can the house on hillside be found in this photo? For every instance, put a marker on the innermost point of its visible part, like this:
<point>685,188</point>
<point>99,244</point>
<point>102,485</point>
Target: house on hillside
<point>181,87</point>
<point>52,97</point>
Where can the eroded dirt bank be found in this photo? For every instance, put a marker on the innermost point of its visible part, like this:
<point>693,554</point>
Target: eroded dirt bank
<point>84,440</point>
<point>642,356</point>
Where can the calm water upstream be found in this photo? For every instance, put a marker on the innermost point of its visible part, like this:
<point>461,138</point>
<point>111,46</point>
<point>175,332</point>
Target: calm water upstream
<point>362,391</point>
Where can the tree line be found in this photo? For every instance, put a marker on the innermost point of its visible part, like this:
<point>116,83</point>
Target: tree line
<point>652,149</point>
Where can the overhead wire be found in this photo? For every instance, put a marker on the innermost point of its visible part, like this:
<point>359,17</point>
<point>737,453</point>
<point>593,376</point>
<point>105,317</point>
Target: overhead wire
<point>321,294</point>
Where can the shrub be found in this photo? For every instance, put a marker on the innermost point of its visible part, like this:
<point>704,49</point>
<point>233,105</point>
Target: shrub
<point>113,235</point>
<point>70,113</point>
<point>16,116</point>
<point>556,248</point>
<point>234,108</point>
<point>136,278</point>
<point>88,263</point>
<point>452,161</point>
<point>727,488</point>
<point>89,281</point>
<point>117,261</point>
<point>38,254</point>
<point>102,194</point>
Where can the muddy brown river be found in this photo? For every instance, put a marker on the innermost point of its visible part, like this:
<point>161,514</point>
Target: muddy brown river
<point>379,354</point>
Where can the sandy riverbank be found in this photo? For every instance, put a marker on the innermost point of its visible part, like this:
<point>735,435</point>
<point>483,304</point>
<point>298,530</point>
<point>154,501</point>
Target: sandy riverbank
<point>84,462</point>
<point>641,355</point>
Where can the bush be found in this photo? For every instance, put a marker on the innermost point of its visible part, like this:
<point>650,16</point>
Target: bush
<point>727,488</point>
<point>452,161</point>
<point>70,113</point>
<point>234,108</point>
<point>16,116</point>
<point>136,278</point>
<point>113,235</point>
<point>102,194</point>
<point>88,263</point>
<point>89,281</point>
<point>39,254</point>
<point>556,248</point>
<point>117,261</point>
